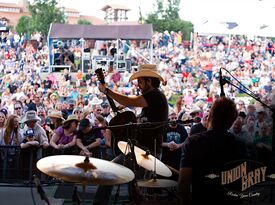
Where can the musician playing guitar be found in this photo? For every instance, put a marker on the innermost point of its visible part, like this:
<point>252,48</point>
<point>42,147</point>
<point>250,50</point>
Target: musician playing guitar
<point>154,109</point>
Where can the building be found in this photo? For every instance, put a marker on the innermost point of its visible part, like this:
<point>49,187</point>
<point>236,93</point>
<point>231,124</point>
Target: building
<point>10,13</point>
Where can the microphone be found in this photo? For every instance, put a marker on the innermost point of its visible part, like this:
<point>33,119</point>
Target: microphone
<point>221,84</point>
<point>40,190</point>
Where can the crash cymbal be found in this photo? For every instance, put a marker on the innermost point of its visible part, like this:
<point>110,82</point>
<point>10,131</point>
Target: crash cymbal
<point>146,160</point>
<point>157,183</point>
<point>73,168</point>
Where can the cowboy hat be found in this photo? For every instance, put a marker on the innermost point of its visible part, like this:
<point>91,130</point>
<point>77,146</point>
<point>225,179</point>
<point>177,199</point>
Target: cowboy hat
<point>147,70</point>
<point>30,116</point>
<point>71,118</point>
<point>194,109</point>
<point>87,111</point>
<point>96,101</point>
<point>56,114</point>
<point>54,95</point>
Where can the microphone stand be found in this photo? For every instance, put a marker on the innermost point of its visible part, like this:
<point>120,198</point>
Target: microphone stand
<point>251,94</point>
<point>40,190</point>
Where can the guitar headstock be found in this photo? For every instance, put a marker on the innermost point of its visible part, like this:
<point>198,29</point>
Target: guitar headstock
<point>100,75</point>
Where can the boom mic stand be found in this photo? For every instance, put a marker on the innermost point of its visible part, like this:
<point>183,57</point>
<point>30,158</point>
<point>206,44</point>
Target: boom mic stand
<point>251,94</point>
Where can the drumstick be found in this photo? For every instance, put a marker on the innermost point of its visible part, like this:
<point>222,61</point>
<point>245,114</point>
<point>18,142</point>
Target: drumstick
<point>173,169</point>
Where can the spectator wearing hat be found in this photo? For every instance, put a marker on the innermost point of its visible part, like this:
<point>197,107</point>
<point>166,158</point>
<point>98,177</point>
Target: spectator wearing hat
<point>173,139</point>
<point>29,139</point>
<point>88,140</point>
<point>64,137</point>
<point>56,120</point>
<point>96,107</point>
<point>30,119</point>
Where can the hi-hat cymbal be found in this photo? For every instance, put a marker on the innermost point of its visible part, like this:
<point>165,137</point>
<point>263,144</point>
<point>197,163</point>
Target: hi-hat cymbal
<point>157,183</point>
<point>72,168</point>
<point>146,160</point>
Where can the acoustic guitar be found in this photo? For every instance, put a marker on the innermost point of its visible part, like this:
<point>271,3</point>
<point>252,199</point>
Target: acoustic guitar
<point>119,133</point>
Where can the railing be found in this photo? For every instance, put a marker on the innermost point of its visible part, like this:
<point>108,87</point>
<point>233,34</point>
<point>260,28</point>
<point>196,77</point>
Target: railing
<point>19,165</point>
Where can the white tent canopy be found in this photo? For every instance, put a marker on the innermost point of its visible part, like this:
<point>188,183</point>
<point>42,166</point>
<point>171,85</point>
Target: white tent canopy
<point>235,28</point>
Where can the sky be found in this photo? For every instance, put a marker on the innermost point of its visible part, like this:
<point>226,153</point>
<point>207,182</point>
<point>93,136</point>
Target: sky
<point>196,11</point>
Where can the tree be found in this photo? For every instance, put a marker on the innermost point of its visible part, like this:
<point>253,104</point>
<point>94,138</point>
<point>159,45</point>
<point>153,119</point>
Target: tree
<point>167,18</point>
<point>83,22</point>
<point>23,24</point>
<point>43,13</point>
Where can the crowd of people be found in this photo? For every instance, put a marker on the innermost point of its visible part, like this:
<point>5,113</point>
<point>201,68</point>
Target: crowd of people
<point>58,115</point>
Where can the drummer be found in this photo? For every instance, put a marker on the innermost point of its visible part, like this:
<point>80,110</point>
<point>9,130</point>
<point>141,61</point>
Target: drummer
<point>154,109</point>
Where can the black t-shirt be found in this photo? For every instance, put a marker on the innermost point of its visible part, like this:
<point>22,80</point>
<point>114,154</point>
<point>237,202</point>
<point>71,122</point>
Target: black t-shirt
<point>88,138</point>
<point>156,111</point>
<point>178,135</point>
<point>197,128</point>
<point>208,153</point>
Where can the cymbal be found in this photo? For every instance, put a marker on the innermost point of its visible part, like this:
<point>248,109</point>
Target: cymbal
<point>157,183</point>
<point>146,160</point>
<point>73,168</point>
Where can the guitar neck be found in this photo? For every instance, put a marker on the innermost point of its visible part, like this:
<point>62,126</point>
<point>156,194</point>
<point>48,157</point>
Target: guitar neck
<point>112,103</point>
<point>100,76</point>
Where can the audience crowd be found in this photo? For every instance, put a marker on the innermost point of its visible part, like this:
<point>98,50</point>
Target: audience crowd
<point>56,113</point>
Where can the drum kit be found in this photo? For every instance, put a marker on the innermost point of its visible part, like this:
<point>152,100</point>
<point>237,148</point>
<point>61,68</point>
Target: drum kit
<point>89,170</point>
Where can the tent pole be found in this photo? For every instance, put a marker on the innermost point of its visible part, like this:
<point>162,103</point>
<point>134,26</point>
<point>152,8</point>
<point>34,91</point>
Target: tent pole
<point>50,48</point>
<point>135,51</point>
<point>151,50</point>
<point>117,45</point>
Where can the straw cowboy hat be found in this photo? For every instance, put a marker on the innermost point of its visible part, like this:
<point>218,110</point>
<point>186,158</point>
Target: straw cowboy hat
<point>56,114</point>
<point>147,70</point>
<point>30,116</point>
<point>54,95</point>
<point>71,118</point>
<point>96,101</point>
<point>194,109</point>
<point>87,111</point>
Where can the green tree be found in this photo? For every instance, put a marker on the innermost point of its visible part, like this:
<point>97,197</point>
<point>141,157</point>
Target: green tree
<point>83,22</point>
<point>43,13</point>
<point>166,17</point>
<point>23,25</point>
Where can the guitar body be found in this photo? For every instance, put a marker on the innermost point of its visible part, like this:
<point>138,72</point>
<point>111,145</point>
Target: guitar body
<point>121,133</point>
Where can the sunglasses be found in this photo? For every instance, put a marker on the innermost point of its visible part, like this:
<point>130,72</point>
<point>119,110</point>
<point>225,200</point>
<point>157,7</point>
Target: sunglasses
<point>17,108</point>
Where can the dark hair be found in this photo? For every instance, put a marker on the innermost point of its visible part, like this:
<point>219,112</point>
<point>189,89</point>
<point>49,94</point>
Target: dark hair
<point>19,102</point>
<point>155,81</point>
<point>222,114</point>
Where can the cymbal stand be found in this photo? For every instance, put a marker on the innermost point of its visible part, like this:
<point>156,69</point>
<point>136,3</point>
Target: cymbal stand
<point>129,154</point>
